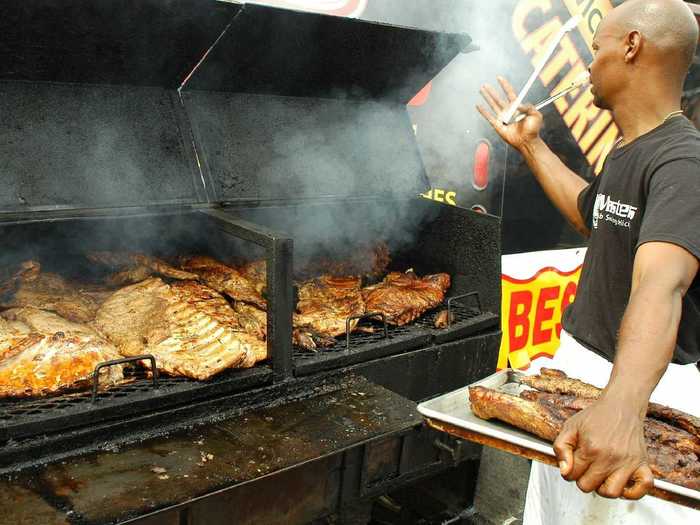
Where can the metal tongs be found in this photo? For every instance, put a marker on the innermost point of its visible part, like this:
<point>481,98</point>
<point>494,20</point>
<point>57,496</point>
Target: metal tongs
<point>580,81</point>
<point>507,116</point>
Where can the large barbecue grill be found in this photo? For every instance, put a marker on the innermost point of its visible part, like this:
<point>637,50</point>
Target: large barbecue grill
<point>231,131</point>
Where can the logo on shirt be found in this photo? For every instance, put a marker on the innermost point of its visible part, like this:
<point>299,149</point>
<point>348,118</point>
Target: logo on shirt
<point>615,212</point>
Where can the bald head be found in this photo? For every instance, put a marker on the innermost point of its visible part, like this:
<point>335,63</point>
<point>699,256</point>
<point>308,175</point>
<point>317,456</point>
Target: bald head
<point>668,26</point>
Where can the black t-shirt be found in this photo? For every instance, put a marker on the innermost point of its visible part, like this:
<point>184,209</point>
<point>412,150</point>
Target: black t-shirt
<point>649,190</point>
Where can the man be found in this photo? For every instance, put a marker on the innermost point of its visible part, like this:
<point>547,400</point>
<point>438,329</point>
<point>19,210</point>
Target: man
<point>638,301</point>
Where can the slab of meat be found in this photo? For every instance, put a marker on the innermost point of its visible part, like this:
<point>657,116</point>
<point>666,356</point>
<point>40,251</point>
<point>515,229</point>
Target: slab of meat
<point>324,306</point>
<point>671,451</point>
<point>189,328</point>
<point>403,297</point>
<point>136,267</point>
<point>48,291</point>
<point>541,419</point>
<point>42,353</point>
<point>227,279</point>
<point>557,382</point>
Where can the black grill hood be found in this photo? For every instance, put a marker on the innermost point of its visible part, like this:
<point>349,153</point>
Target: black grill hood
<point>144,102</point>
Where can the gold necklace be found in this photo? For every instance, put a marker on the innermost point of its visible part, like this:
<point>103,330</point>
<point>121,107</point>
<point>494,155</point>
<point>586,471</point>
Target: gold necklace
<point>621,141</point>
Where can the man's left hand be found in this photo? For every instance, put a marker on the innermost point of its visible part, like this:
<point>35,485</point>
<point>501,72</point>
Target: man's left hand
<point>602,448</point>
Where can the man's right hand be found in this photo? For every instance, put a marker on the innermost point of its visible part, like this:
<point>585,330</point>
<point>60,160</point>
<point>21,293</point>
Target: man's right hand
<point>517,134</point>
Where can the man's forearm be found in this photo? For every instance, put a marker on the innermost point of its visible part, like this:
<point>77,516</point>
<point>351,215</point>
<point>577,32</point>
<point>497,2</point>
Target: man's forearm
<point>559,183</point>
<point>646,342</point>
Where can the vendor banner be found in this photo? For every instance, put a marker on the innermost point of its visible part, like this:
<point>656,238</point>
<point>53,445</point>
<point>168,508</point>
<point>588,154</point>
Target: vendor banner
<point>536,289</point>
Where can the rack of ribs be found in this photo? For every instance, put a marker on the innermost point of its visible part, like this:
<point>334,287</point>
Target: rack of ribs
<point>403,297</point>
<point>674,453</point>
<point>42,353</point>
<point>244,286</point>
<point>189,328</point>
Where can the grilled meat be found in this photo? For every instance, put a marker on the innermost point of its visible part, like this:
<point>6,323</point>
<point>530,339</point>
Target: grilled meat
<point>324,306</point>
<point>256,273</point>
<point>442,319</point>
<point>136,267</point>
<point>403,297</point>
<point>42,353</point>
<point>227,280</point>
<point>543,420</point>
<point>557,382</point>
<point>48,291</point>
<point>190,329</point>
<point>673,452</point>
<point>253,321</point>
<point>560,384</point>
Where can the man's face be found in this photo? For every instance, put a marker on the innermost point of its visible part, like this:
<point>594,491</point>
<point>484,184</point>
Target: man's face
<point>607,69</point>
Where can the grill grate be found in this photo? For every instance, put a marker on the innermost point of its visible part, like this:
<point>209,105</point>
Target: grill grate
<point>368,346</point>
<point>35,416</point>
<point>461,315</point>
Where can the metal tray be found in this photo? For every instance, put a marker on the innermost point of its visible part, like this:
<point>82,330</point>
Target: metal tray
<point>452,413</point>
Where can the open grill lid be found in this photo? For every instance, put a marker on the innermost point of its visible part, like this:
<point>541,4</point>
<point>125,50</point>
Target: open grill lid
<point>290,105</point>
<point>92,116</point>
<point>90,113</point>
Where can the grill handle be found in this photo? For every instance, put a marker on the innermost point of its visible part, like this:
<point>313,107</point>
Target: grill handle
<point>113,362</point>
<point>454,299</point>
<point>359,318</point>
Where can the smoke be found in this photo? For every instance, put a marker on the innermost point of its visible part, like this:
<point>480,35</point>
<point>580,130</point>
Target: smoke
<point>448,126</point>
<point>332,173</point>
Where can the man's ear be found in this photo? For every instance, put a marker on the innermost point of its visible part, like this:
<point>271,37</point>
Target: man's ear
<point>633,45</point>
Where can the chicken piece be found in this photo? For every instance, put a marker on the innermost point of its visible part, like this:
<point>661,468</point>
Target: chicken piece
<point>42,353</point>
<point>48,291</point>
<point>189,328</point>
<point>225,279</point>
<point>403,297</point>
<point>557,382</point>
<point>667,447</point>
<point>136,267</point>
<point>324,306</point>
